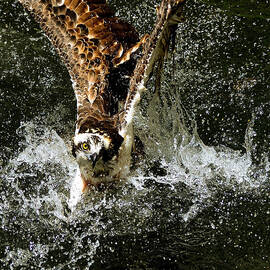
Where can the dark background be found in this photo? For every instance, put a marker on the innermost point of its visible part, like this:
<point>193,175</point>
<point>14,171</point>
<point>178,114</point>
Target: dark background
<point>221,69</point>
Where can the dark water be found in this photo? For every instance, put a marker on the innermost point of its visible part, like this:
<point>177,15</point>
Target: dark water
<point>200,197</point>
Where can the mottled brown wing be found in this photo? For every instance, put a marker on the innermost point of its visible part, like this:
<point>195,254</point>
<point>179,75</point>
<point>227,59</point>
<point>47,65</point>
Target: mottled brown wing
<point>90,40</point>
<point>169,14</point>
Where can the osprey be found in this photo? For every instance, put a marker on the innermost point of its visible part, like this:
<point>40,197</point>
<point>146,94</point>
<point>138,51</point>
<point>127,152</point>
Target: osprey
<point>109,74</point>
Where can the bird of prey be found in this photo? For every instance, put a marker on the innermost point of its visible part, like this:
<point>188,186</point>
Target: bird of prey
<point>109,67</point>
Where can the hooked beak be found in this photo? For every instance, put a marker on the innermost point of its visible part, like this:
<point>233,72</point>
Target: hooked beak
<point>94,158</point>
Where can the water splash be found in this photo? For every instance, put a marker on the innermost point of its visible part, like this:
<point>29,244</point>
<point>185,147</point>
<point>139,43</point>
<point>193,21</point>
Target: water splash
<point>182,197</point>
<point>178,178</point>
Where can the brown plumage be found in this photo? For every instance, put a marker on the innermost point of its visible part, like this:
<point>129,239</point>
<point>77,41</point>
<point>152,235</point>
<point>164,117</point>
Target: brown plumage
<point>99,51</point>
<point>91,41</point>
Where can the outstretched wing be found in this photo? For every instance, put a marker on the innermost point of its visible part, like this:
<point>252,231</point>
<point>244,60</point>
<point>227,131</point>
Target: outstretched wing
<point>169,14</point>
<point>90,40</point>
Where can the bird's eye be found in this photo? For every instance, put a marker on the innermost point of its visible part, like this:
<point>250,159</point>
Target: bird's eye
<point>85,146</point>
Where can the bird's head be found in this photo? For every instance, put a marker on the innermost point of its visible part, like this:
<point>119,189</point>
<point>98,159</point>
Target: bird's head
<point>97,154</point>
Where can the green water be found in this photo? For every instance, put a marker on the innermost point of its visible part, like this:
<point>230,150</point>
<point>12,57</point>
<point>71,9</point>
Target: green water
<point>200,198</point>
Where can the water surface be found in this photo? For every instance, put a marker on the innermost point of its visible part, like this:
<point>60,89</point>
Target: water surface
<point>199,199</point>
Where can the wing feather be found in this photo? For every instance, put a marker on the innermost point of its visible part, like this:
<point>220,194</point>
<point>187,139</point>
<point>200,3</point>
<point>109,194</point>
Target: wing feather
<point>90,41</point>
<point>169,14</point>
<point>94,44</point>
